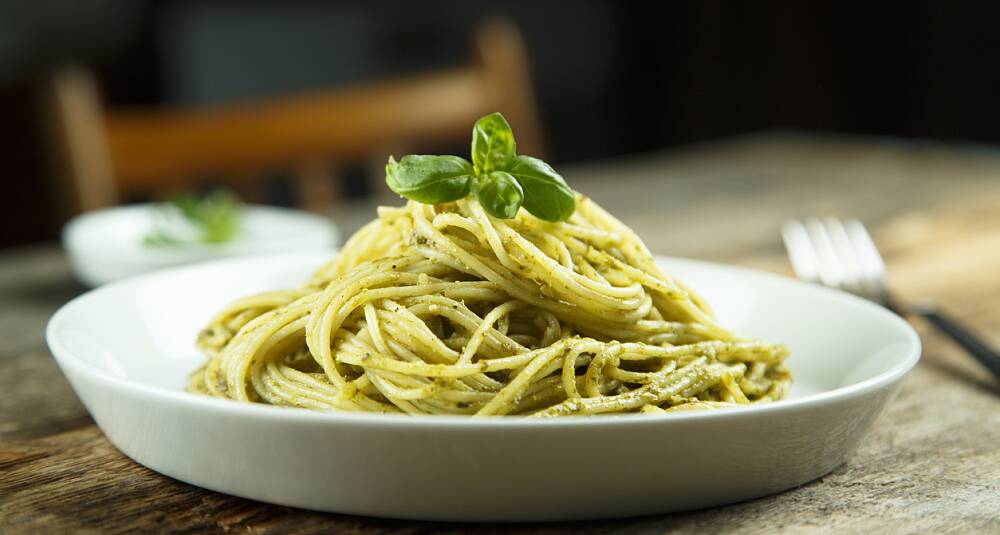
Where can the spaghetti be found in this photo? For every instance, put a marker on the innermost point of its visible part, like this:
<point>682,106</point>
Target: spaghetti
<point>445,309</point>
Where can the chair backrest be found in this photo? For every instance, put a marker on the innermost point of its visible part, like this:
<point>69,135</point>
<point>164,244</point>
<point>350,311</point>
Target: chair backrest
<point>114,154</point>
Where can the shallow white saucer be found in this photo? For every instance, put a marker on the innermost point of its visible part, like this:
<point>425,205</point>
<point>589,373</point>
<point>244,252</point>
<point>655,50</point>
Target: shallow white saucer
<point>128,347</point>
<point>107,245</point>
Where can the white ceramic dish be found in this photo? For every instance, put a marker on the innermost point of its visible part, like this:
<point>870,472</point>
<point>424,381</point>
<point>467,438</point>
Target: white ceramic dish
<point>106,245</point>
<point>127,349</point>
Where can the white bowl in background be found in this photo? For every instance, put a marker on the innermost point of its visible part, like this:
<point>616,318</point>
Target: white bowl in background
<point>127,348</point>
<point>107,245</point>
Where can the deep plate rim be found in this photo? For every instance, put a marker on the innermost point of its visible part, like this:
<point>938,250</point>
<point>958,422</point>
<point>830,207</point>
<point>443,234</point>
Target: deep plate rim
<point>68,358</point>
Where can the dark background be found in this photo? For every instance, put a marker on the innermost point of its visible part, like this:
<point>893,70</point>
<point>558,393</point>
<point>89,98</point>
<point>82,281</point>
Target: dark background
<point>611,78</point>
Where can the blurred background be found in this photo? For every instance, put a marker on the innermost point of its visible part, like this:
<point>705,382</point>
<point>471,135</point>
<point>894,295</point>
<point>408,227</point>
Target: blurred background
<point>111,101</point>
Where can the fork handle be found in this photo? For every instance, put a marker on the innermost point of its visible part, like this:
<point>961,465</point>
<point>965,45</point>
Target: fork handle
<point>963,336</point>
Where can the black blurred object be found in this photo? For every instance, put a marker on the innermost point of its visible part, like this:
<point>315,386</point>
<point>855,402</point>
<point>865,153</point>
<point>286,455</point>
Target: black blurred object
<point>611,77</point>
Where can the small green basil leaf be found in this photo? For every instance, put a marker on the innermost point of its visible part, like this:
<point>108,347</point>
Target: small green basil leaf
<point>492,144</point>
<point>546,195</point>
<point>429,179</point>
<point>500,195</point>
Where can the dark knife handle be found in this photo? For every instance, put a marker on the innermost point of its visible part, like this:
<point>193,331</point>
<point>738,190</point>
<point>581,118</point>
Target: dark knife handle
<point>963,336</point>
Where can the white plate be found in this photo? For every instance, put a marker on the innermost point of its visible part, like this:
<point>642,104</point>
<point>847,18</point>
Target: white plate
<point>128,347</point>
<point>107,245</point>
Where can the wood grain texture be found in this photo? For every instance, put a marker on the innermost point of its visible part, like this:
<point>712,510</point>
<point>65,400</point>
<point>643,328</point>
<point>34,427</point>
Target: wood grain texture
<point>931,465</point>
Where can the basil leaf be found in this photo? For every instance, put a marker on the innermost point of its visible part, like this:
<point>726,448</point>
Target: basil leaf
<point>492,144</point>
<point>500,195</point>
<point>546,195</point>
<point>429,179</point>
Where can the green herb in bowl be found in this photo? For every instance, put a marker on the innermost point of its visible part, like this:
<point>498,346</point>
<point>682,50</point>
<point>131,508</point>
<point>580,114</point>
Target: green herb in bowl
<point>214,218</point>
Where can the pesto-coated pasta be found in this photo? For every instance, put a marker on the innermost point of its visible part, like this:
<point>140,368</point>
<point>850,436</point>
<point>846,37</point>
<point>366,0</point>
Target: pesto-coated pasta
<point>444,309</point>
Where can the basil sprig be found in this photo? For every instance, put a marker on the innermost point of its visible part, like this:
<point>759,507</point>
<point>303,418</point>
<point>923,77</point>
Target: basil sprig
<point>502,181</point>
<point>430,179</point>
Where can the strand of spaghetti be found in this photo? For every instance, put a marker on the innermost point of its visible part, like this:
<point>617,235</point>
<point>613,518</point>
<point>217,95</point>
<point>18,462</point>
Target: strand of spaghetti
<point>680,382</point>
<point>239,354</point>
<point>503,400</point>
<point>472,346</point>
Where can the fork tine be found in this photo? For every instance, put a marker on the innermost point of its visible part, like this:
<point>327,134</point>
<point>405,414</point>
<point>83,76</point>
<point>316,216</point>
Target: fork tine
<point>846,254</point>
<point>870,261</point>
<point>800,250</point>
<point>831,271</point>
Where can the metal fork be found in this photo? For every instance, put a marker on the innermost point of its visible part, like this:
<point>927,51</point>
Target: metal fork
<point>841,254</point>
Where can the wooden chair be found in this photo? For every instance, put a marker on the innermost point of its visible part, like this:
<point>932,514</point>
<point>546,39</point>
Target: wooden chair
<point>111,155</point>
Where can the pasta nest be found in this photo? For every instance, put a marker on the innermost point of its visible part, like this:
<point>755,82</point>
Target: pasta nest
<point>443,309</point>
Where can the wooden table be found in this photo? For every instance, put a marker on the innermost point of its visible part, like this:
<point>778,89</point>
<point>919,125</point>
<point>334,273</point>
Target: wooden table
<point>931,465</point>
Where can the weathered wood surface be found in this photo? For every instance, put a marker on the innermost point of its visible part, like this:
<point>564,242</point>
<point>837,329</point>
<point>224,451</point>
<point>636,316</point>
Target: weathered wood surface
<point>931,465</point>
